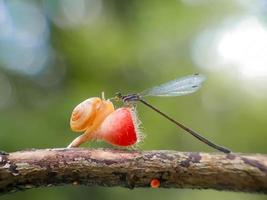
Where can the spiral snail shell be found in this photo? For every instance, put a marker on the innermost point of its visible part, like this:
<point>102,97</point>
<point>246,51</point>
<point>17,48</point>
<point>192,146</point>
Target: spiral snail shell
<point>89,114</point>
<point>98,119</point>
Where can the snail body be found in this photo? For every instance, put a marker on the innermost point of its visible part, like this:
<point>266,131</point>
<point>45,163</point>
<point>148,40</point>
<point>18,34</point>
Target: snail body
<point>98,119</point>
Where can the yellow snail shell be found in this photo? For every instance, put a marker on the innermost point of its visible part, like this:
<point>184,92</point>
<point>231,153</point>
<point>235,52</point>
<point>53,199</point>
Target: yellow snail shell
<point>88,115</point>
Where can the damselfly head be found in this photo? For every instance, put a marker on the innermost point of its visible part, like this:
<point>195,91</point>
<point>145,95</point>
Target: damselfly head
<point>118,96</point>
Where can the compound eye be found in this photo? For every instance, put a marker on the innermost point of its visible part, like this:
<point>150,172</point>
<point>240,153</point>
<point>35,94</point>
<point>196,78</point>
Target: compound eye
<point>118,96</point>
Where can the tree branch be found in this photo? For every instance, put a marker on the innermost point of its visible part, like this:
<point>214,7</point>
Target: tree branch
<point>47,167</point>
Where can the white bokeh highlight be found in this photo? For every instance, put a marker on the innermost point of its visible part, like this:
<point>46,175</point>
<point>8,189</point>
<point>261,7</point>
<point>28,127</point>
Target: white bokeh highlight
<point>236,48</point>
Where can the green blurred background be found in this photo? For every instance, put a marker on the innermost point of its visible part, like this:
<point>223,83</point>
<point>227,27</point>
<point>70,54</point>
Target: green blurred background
<point>55,54</point>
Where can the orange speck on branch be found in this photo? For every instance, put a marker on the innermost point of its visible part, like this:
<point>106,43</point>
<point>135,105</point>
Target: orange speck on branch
<point>155,183</point>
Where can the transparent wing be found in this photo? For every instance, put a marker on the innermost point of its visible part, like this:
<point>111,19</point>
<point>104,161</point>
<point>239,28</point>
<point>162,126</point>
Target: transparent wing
<point>177,87</point>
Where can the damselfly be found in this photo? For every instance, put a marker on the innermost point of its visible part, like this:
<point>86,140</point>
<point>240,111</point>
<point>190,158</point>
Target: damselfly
<point>177,87</point>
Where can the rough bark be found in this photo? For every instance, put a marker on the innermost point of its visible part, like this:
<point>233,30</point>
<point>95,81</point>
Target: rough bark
<point>104,167</point>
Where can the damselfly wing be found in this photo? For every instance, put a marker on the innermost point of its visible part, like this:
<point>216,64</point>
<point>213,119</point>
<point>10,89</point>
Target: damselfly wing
<point>177,87</point>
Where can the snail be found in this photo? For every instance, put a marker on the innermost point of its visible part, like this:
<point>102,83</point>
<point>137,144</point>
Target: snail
<point>98,120</point>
